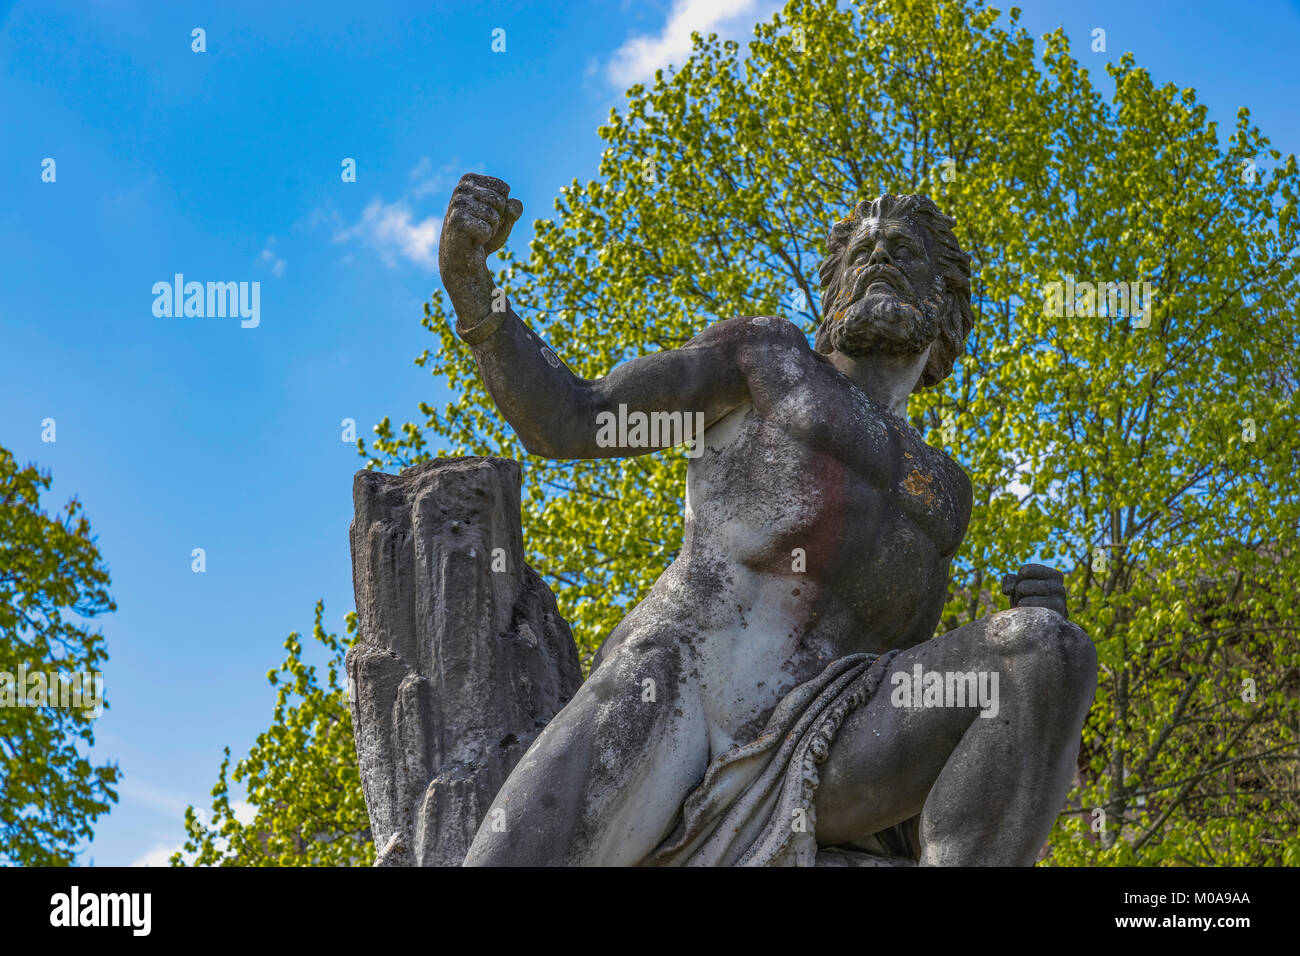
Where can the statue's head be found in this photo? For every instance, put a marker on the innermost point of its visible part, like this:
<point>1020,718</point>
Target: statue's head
<point>894,280</point>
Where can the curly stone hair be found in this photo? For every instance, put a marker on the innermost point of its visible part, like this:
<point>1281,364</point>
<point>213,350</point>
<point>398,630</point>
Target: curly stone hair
<point>952,266</point>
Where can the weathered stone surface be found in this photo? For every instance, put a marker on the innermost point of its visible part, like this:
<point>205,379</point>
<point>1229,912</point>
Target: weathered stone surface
<point>744,712</point>
<point>458,666</point>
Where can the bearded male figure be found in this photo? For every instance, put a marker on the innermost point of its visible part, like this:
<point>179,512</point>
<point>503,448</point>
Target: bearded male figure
<point>749,711</point>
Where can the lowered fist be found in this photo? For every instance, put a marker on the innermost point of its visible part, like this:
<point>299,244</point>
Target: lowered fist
<point>1037,585</point>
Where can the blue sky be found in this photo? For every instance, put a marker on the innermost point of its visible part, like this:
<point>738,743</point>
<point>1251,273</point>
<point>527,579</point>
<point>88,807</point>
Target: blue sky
<point>225,166</point>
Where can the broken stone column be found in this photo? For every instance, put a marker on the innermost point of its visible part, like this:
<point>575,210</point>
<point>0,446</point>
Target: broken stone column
<point>462,656</point>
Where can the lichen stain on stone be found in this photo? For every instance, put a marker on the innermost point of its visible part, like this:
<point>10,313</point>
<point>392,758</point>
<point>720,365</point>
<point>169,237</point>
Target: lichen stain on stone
<point>918,485</point>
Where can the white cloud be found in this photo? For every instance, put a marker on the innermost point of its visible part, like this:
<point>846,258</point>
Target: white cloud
<point>160,854</point>
<point>268,258</point>
<point>426,180</point>
<point>392,230</point>
<point>639,57</point>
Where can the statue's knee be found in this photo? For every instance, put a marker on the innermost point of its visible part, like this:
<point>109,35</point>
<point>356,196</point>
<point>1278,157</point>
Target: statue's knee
<point>1058,651</point>
<point>488,848</point>
<point>1025,631</point>
<point>1081,653</point>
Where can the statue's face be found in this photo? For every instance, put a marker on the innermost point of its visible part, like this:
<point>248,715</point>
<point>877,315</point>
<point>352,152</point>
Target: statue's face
<point>889,298</point>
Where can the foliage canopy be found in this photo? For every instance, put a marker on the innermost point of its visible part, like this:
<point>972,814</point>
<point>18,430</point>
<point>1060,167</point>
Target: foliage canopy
<point>52,578</point>
<point>1152,457</point>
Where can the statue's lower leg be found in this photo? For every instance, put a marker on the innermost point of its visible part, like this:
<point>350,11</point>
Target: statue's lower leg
<point>988,788</point>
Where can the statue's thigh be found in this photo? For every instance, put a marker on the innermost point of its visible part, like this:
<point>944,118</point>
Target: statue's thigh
<point>887,755</point>
<point>604,781</point>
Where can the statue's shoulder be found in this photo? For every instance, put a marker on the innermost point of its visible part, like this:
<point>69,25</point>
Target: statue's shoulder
<point>753,330</point>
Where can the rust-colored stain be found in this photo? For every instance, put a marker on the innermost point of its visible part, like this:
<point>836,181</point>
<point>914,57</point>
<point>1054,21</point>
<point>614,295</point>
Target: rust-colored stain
<point>918,485</point>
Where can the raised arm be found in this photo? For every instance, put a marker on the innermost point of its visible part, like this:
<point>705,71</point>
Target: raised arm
<point>554,412</point>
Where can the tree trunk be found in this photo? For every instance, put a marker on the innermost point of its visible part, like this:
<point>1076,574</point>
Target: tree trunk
<point>462,656</point>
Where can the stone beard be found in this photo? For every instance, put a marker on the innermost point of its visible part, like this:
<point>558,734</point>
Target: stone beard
<point>883,316</point>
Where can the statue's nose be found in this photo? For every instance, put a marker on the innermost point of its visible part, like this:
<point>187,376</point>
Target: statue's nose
<point>880,255</point>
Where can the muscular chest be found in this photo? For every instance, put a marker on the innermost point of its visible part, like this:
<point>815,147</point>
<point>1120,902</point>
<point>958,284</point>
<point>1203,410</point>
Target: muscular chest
<point>825,457</point>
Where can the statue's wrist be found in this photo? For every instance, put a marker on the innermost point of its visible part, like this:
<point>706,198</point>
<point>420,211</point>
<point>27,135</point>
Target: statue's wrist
<point>479,313</point>
<point>473,333</point>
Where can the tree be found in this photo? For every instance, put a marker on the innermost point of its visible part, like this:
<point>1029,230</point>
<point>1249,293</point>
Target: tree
<point>1141,437</point>
<point>1146,442</point>
<point>50,793</point>
<point>301,777</point>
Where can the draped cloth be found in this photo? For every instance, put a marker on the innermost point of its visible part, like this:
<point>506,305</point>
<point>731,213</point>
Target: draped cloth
<point>755,804</point>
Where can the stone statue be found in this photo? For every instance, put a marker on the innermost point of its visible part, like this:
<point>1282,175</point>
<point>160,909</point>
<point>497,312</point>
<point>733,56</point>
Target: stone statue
<point>778,698</point>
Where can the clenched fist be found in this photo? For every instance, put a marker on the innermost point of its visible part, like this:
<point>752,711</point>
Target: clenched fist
<point>1037,585</point>
<point>478,221</point>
